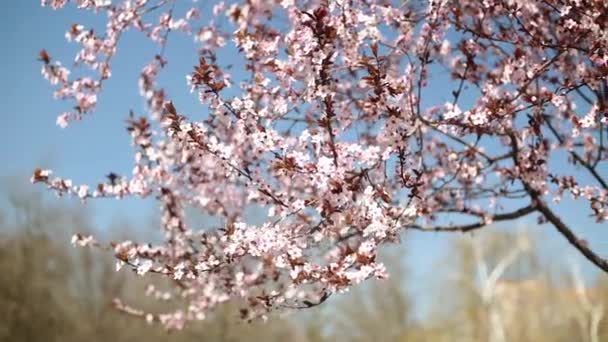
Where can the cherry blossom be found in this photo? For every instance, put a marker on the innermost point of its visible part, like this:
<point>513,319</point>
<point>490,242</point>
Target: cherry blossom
<point>354,122</point>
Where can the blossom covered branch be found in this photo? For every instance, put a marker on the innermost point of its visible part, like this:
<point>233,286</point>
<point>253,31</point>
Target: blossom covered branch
<point>354,121</point>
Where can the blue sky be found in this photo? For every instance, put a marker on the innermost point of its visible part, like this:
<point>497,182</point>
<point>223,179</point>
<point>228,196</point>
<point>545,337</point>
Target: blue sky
<point>88,150</point>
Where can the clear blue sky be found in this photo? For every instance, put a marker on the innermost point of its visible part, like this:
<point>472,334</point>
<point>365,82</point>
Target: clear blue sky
<point>88,150</point>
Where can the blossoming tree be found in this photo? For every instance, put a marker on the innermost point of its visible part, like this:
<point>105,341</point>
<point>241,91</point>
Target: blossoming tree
<point>334,136</point>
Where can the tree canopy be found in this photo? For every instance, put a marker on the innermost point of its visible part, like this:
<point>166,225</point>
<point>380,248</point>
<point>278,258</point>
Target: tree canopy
<point>345,124</point>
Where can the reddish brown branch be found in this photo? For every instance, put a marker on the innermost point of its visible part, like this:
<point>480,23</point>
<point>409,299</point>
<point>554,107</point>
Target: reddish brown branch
<point>477,225</point>
<point>555,220</point>
<point>578,243</point>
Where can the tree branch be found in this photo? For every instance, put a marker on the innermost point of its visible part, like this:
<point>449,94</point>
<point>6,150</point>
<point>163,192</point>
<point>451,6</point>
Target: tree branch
<point>542,207</point>
<point>473,226</point>
<point>578,243</point>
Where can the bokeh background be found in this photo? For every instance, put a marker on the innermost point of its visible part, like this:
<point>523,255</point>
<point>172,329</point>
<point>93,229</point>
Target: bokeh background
<point>513,282</point>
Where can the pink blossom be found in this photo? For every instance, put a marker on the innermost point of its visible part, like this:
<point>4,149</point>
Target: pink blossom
<point>350,123</point>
